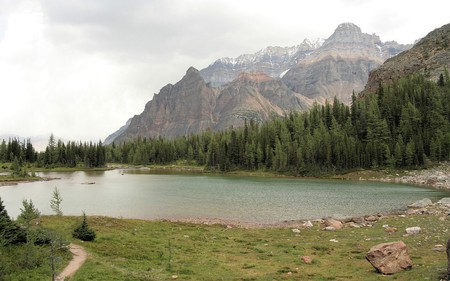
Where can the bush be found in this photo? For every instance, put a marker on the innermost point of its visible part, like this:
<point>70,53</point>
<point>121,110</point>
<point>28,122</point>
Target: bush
<point>83,232</point>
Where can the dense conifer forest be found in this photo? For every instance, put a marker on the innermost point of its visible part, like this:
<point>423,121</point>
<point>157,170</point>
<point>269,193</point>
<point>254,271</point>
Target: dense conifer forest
<point>56,154</point>
<point>403,125</point>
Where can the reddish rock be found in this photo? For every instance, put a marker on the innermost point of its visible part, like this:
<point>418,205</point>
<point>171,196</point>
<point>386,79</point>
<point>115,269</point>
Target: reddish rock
<point>389,258</point>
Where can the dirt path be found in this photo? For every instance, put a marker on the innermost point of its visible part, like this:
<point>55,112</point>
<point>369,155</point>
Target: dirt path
<point>79,257</point>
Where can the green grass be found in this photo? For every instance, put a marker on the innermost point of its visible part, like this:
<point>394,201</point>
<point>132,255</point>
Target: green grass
<point>158,250</point>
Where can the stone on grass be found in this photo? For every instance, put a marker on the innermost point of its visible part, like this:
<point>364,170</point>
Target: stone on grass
<point>353,224</point>
<point>390,229</point>
<point>330,228</point>
<point>413,230</point>
<point>421,203</point>
<point>371,219</point>
<point>296,230</point>
<point>389,258</point>
<point>306,259</point>
<point>333,223</point>
<point>308,224</point>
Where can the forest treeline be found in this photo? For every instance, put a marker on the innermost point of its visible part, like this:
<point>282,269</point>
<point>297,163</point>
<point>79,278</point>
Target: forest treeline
<point>56,154</point>
<point>403,125</point>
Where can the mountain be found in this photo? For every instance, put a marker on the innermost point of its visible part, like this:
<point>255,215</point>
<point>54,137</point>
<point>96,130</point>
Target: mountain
<point>430,57</point>
<point>110,139</point>
<point>273,61</point>
<point>256,86</point>
<point>340,65</point>
<point>192,105</point>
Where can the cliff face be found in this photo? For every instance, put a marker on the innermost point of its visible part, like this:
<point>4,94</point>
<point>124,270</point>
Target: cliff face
<point>341,65</point>
<point>430,57</point>
<point>177,110</point>
<point>192,106</point>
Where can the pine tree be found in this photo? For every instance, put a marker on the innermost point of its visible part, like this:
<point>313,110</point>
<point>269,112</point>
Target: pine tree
<point>55,202</point>
<point>83,231</point>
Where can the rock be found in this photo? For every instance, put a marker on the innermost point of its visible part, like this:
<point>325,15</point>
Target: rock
<point>413,230</point>
<point>444,201</point>
<point>333,223</point>
<point>330,228</point>
<point>296,230</point>
<point>359,220</point>
<point>306,259</point>
<point>334,240</point>
<point>371,219</point>
<point>421,203</point>
<point>390,229</point>
<point>354,225</point>
<point>420,211</point>
<point>389,258</point>
<point>308,224</point>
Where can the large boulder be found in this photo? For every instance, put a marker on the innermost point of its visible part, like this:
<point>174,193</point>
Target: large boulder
<point>389,258</point>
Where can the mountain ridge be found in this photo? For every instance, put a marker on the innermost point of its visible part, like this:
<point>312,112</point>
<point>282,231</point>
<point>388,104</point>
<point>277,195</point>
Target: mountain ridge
<point>430,57</point>
<point>231,90</point>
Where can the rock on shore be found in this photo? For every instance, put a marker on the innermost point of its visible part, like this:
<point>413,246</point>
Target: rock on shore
<point>437,177</point>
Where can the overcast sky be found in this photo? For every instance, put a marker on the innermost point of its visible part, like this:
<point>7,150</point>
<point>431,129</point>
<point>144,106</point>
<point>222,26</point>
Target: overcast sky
<point>81,68</point>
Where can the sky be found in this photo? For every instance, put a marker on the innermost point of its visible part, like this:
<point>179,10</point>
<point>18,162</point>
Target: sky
<point>81,68</point>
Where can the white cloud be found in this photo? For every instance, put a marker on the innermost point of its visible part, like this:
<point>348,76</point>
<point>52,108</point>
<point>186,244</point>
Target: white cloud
<point>81,68</point>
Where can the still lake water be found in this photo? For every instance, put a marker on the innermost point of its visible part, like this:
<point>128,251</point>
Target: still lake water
<point>140,194</point>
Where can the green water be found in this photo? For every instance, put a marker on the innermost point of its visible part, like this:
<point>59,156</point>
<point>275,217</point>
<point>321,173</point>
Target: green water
<point>138,194</point>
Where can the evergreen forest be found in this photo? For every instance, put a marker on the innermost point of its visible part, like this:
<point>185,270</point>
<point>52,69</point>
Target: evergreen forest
<point>56,154</point>
<point>404,125</point>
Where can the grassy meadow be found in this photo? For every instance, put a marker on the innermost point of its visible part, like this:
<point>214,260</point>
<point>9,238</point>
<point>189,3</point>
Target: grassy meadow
<point>160,250</point>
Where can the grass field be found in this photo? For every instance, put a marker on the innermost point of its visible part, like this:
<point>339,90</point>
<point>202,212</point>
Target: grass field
<point>161,250</point>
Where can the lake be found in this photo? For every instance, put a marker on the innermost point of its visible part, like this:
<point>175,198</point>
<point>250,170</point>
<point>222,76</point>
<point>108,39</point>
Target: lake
<point>143,195</point>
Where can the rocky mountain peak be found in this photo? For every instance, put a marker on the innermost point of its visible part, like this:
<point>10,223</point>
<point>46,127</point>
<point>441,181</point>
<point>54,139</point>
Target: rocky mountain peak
<point>341,65</point>
<point>192,71</point>
<point>350,33</point>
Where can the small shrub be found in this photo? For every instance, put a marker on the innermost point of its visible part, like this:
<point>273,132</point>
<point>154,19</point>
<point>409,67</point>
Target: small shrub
<point>83,232</point>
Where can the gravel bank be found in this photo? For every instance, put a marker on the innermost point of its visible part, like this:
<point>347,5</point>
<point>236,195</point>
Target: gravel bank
<point>436,177</point>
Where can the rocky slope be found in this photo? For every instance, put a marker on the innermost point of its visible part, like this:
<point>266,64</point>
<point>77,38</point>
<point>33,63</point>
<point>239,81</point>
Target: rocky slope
<point>430,57</point>
<point>341,65</point>
<point>192,106</point>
